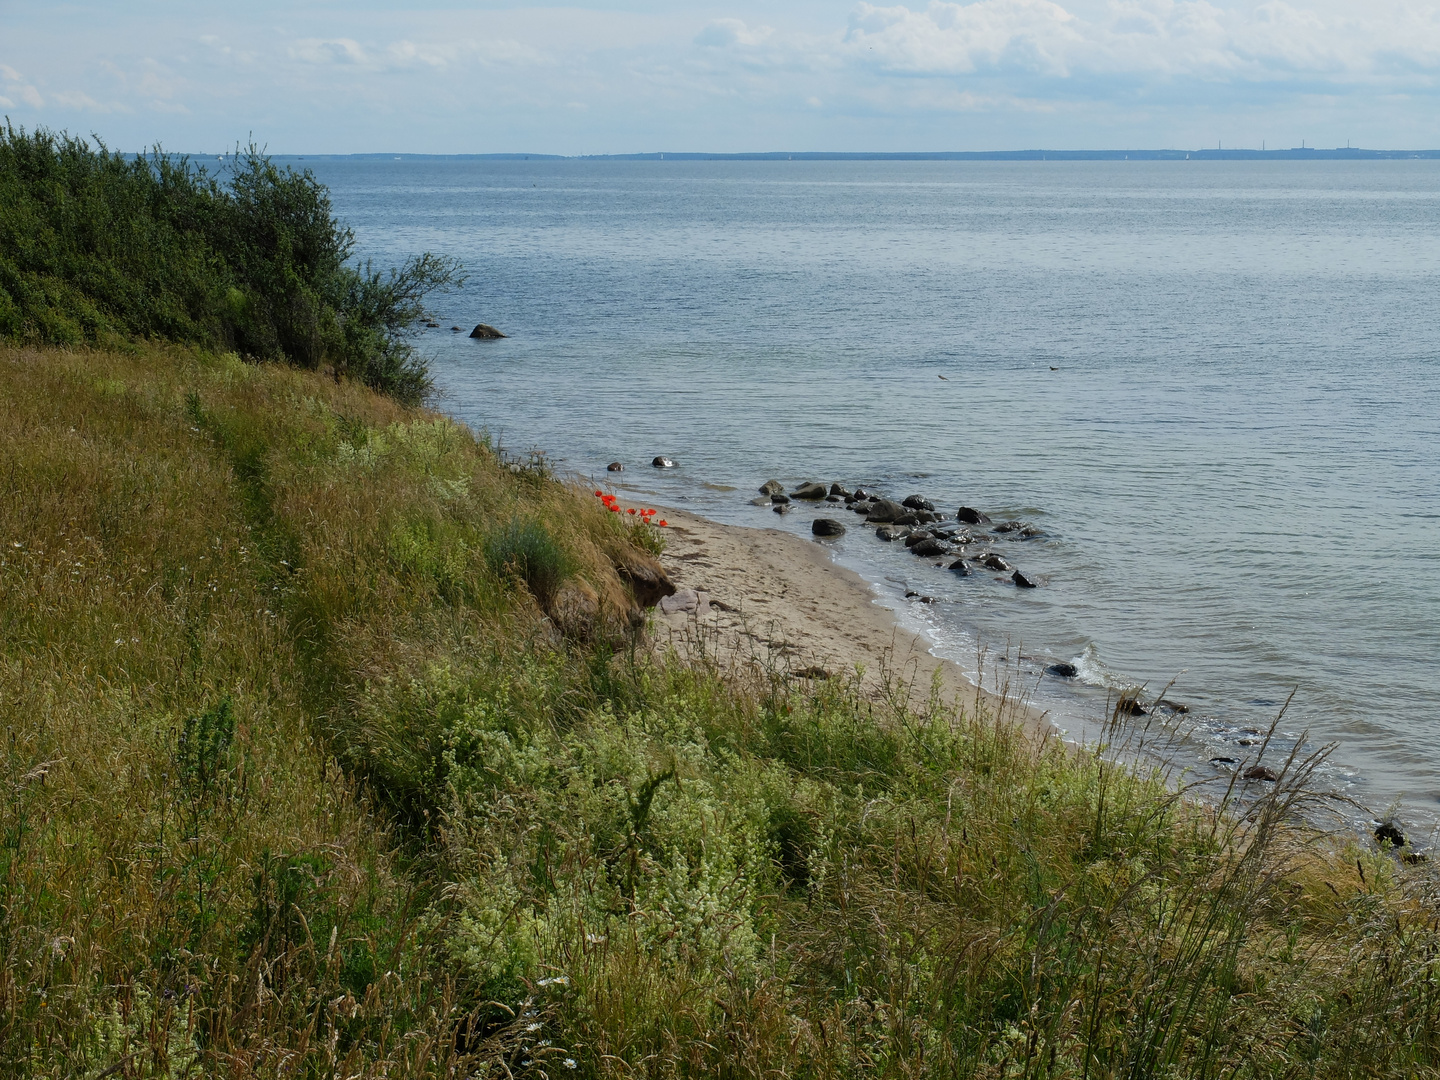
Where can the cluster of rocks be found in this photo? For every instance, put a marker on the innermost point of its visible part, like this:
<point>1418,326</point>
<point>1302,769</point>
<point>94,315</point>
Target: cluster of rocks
<point>927,532</point>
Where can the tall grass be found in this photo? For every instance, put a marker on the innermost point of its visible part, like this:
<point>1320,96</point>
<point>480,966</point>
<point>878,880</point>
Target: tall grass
<point>298,777</point>
<point>101,247</point>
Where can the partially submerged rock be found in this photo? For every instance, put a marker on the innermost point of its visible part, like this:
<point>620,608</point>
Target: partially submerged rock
<point>811,491</point>
<point>885,510</point>
<point>615,466</point>
<point>827,527</point>
<point>485,332</point>
<point>772,487</point>
<point>663,462</point>
<point>970,516</point>
<point>1063,670</point>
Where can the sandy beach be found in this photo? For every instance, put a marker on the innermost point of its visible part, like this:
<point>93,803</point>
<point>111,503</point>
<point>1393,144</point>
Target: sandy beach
<point>768,597</point>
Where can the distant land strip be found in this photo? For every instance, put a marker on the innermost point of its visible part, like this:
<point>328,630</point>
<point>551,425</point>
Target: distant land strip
<point>1299,153</point>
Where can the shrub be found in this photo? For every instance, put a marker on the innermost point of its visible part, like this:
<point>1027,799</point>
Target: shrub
<point>525,549</point>
<point>98,247</point>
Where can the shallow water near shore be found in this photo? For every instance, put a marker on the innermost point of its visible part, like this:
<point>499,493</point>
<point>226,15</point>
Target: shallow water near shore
<point>1211,385</point>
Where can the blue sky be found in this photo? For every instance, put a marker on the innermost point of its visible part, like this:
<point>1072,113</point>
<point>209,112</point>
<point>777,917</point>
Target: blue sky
<point>611,76</point>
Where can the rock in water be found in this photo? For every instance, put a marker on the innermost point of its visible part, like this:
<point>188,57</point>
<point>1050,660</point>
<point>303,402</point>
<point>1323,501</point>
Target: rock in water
<point>995,562</point>
<point>970,516</point>
<point>890,532</point>
<point>960,568</point>
<point>930,546</point>
<point>663,463</point>
<point>1021,581</point>
<point>1129,705</point>
<point>1063,670</point>
<point>486,332</point>
<point>812,491</point>
<point>836,489</point>
<point>827,527</point>
<point>615,466</point>
<point>780,499</point>
<point>781,508</point>
<point>772,487</point>
<point>885,510</point>
<point>1260,772</point>
<point>918,502</point>
<point>1389,833</point>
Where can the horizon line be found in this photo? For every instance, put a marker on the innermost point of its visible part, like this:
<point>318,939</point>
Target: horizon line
<point>1213,154</point>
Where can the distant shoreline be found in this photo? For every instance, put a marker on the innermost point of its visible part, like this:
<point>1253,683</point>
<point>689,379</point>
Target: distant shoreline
<point>1305,153</point>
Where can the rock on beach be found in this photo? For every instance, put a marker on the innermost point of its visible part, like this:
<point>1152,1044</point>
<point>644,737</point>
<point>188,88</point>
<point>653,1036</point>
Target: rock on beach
<point>827,527</point>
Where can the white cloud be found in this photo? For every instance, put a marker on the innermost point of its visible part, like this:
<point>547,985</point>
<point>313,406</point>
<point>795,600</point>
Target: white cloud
<point>1272,40</point>
<point>725,33</point>
<point>6,103</point>
<point>329,51</point>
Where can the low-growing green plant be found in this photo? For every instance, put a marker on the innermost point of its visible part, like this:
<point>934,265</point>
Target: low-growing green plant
<point>526,550</point>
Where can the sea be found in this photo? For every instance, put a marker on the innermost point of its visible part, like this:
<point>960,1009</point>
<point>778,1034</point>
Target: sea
<point>1211,387</point>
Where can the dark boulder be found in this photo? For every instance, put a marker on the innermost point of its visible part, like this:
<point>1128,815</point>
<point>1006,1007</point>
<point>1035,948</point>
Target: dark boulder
<point>663,462</point>
<point>1173,706</point>
<point>890,532</point>
<point>861,493</point>
<point>1261,772</point>
<point>781,508</point>
<point>772,487</point>
<point>930,547</point>
<point>780,500</point>
<point>1129,705</point>
<point>836,489</point>
<point>833,499</point>
<point>1008,527</point>
<point>760,500</point>
<point>810,491</point>
<point>910,517</point>
<point>861,506</point>
<point>970,516</point>
<point>827,527</point>
<point>994,562</point>
<point>915,536</point>
<point>918,502</point>
<point>615,466</point>
<point>1021,581</point>
<point>488,333</point>
<point>1387,832</point>
<point>1222,761</point>
<point>885,510</point>
<point>960,568</point>
<point>1063,670</point>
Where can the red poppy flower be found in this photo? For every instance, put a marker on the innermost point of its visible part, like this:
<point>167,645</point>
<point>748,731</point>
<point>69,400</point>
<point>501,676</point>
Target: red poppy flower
<point>599,494</point>
<point>663,523</point>
<point>631,510</point>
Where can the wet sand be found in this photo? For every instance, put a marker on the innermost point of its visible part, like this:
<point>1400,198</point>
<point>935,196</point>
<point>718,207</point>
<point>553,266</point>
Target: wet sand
<point>776,600</point>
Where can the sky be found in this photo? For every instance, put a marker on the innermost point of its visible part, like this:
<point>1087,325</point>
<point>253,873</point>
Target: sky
<point>629,76</point>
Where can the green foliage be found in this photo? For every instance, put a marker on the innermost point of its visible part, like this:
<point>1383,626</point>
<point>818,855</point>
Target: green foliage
<point>527,550</point>
<point>98,247</point>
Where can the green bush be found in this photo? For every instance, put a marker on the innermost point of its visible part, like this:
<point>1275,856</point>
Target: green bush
<point>525,549</point>
<point>100,247</point>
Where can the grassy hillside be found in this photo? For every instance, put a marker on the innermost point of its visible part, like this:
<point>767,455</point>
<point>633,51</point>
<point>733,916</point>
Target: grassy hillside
<point>329,750</point>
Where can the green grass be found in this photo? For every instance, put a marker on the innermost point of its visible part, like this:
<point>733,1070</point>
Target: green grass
<point>305,774</point>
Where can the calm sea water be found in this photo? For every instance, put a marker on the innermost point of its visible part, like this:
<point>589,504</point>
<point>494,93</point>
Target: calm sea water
<point>1213,385</point>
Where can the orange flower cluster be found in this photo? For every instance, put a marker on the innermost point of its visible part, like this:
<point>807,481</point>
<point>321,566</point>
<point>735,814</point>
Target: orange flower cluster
<point>647,516</point>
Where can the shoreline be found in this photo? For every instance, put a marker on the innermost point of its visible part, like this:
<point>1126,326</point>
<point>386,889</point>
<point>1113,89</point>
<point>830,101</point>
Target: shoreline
<point>768,597</point>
